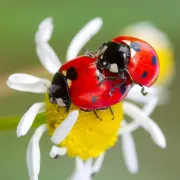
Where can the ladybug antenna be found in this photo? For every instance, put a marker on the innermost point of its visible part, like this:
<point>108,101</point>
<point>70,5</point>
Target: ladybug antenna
<point>143,92</point>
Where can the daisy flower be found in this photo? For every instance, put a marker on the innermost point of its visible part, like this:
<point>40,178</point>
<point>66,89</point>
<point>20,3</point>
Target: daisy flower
<point>77,133</point>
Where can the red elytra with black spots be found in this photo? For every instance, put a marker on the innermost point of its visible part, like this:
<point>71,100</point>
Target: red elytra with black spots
<point>143,66</point>
<point>86,92</point>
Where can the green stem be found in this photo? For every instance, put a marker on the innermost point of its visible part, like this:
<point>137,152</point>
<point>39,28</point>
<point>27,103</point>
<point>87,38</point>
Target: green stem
<point>10,123</point>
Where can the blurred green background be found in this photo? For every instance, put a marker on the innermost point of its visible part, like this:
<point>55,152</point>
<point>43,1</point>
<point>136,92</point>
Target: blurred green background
<point>18,23</point>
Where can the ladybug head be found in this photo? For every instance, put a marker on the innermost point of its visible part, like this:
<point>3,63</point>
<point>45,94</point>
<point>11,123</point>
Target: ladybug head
<point>113,56</point>
<point>59,89</point>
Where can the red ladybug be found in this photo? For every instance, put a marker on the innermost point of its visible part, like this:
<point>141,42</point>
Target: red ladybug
<point>80,82</point>
<point>129,56</point>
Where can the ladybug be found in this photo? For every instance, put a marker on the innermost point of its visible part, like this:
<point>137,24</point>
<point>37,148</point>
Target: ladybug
<point>80,82</point>
<point>129,56</point>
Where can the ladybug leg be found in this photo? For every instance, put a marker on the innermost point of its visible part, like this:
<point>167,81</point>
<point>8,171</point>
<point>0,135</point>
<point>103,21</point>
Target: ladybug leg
<point>122,73</point>
<point>112,112</point>
<point>109,78</point>
<point>112,78</point>
<point>116,86</point>
<point>97,115</point>
<point>89,53</point>
<point>143,91</point>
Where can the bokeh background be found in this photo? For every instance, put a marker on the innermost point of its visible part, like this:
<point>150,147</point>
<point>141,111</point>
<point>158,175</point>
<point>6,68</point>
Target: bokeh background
<point>19,20</point>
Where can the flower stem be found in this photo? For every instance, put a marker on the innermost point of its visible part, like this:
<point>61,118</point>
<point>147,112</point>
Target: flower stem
<point>10,123</point>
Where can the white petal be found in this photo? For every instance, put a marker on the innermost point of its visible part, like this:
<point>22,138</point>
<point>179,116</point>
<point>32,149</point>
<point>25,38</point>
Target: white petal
<point>83,170</point>
<point>150,106</point>
<point>79,172</point>
<point>57,151</point>
<point>44,31</point>
<point>88,164</point>
<point>64,128</point>
<point>33,153</point>
<point>98,163</point>
<point>46,54</point>
<point>28,83</point>
<point>48,57</point>
<point>129,152</point>
<point>82,37</point>
<point>148,124</point>
<point>79,163</point>
<point>28,118</point>
<point>130,127</point>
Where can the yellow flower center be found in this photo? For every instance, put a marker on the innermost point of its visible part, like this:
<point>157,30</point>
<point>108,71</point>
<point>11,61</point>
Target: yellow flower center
<point>167,69</point>
<point>90,136</point>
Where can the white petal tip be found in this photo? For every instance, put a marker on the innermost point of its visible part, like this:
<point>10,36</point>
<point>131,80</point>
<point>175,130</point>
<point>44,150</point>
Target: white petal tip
<point>57,151</point>
<point>48,20</point>
<point>162,144</point>
<point>134,171</point>
<point>18,134</point>
<point>65,127</point>
<point>8,84</point>
<point>98,20</point>
<point>34,177</point>
<point>27,120</point>
<point>75,113</point>
<point>44,31</point>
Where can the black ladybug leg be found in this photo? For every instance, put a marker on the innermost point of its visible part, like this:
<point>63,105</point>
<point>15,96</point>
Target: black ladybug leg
<point>111,112</point>
<point>143,91</point>
<point>116,86</point>
<point>109,78</point>
<point>97,115</point>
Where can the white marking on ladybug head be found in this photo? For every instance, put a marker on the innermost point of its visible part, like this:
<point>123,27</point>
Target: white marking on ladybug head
<point>133,52</point>
<point>60,102</point>
<point>101,57</point>
<point>99,75</point>
<point>113,68</point>
<point>104,63</point>
<point>127,42</point>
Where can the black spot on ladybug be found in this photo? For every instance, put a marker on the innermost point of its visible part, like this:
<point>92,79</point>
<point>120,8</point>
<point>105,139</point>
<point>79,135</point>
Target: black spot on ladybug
<point>71,74</point>
<point>123,89</point>
<point>144,75</point>
<point>135,46</point>
<point>94,99</point>
<point>154,60</point>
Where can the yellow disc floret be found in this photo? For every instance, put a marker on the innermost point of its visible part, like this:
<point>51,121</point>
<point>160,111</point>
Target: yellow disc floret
<point>90,136</point>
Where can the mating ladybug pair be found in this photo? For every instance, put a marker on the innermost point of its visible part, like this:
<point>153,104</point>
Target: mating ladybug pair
<point>98,80</point>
